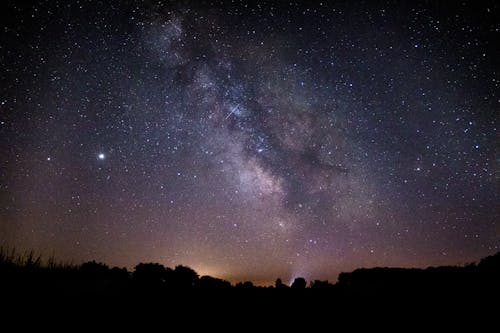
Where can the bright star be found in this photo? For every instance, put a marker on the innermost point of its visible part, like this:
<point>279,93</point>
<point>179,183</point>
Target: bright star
<point>101,156</point>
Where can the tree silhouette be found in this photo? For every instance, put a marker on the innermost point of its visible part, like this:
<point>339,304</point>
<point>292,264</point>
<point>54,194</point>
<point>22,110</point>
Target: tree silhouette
<point>320,285</point>
<point>245,285</point>
<point>94,270</point>
<point>490,263</point>
<point>279,284</point>
<point>120,274</point>
<point>210,283</point>
<point>299,283</point>
<point>184,277</point>
<point>151,273</point>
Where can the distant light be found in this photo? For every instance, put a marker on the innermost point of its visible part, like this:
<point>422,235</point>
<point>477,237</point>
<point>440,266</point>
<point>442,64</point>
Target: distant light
<point>101,156</point>
<point>48,158</point>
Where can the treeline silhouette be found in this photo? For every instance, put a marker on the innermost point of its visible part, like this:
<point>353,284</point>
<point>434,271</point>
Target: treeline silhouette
<point>27,270</point>
<point>24,279</point>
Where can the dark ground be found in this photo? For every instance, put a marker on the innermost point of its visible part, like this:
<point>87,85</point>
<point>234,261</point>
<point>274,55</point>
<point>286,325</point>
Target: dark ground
<point>154,295</point>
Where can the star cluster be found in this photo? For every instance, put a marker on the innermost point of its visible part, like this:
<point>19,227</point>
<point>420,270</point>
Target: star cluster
<point>251,141</point>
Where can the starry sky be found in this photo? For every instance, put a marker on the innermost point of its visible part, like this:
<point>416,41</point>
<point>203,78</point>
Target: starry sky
<point>251,141</point>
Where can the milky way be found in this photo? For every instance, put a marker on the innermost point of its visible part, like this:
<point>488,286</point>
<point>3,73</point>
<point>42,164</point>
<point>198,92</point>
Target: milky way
<point>251,141</point>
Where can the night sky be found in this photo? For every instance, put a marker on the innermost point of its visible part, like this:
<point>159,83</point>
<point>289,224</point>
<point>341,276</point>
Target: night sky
<point>249,141</point>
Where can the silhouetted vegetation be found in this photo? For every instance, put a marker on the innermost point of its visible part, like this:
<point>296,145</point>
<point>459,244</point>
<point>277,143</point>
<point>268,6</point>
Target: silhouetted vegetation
<point>299,283</point>
<point>26,276</point>
<point>26,266</point>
